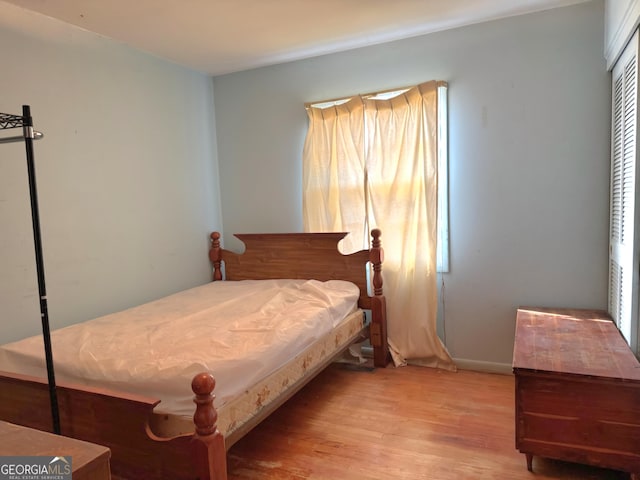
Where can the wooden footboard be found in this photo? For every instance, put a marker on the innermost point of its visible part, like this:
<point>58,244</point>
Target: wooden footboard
<point>121,422</point>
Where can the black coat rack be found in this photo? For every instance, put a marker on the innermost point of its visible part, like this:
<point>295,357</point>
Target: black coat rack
<point>29,135</point>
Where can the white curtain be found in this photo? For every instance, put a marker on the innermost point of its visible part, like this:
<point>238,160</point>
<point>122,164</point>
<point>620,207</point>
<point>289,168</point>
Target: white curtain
<point>333,173</point>
<point>370,163</point>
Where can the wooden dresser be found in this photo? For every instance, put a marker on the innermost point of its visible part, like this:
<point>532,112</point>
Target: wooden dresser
<point>88,461</point>
<point>577,389</point>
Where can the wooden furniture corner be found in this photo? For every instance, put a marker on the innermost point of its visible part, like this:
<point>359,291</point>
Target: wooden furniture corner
<point>88,460</point>
<point>577,389</point>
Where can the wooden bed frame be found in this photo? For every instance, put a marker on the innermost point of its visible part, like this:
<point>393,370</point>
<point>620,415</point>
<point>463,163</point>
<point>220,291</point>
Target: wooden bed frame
<point>122,421</point>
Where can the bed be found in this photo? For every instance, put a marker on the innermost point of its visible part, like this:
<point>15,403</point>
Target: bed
<point>150,439</point>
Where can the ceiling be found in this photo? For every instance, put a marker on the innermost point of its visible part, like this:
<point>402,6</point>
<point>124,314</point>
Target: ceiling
<point>223,36</point>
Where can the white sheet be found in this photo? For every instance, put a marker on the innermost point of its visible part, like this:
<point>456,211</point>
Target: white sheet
<point>241,331</point>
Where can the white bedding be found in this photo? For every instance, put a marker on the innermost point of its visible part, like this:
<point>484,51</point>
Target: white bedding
<point>241,331</point>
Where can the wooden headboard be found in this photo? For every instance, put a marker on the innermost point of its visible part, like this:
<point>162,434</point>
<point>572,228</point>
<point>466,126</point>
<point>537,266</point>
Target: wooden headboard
<point>310,256</point>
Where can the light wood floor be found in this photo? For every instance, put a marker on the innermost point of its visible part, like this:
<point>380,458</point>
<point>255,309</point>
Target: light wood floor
<point>393,424</point>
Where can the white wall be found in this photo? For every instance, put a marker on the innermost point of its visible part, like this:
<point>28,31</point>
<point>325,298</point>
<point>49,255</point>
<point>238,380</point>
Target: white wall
<point>127,174</point>
<point>529,134</point>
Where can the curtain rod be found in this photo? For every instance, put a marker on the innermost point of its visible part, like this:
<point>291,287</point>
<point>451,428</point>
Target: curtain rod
<point>439,83</point>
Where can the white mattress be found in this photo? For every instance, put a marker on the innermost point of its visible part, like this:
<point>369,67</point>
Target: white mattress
<point>241,331</point>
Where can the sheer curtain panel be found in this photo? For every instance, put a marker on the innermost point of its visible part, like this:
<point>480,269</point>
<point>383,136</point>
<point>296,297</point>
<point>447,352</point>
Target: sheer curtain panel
<point>372,162</point>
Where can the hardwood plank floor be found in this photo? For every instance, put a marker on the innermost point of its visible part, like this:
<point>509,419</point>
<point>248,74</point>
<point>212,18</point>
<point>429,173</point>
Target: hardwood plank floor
<point>393,424</point>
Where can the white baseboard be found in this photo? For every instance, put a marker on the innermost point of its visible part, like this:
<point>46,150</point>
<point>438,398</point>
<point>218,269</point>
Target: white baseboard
<point>480,366</point>
<point>463,363</point>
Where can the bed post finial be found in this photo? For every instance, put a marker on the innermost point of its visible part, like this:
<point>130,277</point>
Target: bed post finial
<point>206,416</point>
<point>215,255</point>
<point>210,454</point>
